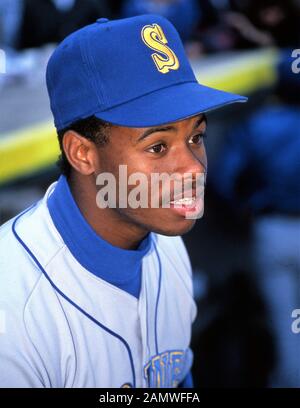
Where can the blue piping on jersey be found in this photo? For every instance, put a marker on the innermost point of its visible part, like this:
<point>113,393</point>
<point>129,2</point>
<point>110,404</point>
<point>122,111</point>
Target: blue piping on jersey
<point>157,299</point>
<point>70,300</point>
<point>118,266</point>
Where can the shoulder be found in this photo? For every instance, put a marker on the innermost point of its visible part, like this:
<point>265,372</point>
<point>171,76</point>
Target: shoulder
<point>27,236</point>
<point>18,274</point>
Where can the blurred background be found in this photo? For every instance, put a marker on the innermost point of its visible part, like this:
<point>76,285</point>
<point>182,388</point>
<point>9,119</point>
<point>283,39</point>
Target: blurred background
<point>245,252</point>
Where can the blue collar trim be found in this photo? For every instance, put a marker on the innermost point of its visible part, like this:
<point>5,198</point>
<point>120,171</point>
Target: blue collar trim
<point>120,267</point>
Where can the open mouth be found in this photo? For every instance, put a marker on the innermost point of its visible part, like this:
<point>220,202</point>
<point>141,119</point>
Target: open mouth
<point>186,201</point>
<point>189,207</point>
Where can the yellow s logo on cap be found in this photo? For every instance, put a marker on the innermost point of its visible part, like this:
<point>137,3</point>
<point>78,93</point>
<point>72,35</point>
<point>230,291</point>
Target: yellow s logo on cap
<point>154,37</point>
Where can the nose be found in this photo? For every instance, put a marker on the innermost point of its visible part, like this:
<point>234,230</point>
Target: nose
<point>192,161</point>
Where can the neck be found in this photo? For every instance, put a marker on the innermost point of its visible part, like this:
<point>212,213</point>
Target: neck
<point>109,223</point>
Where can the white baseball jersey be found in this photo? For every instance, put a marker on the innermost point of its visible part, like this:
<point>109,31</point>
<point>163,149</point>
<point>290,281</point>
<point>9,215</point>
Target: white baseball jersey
<point>62,326</point>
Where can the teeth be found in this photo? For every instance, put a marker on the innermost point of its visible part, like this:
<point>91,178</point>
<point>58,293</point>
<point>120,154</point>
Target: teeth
<point>186,201</point>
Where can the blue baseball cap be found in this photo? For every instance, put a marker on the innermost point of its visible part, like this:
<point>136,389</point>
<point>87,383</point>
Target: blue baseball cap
<point>130,72</point>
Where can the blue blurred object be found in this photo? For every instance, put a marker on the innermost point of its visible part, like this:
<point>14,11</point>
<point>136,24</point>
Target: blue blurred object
<point>259,167</point>
<point>10,20</point>
<point>184,14</point>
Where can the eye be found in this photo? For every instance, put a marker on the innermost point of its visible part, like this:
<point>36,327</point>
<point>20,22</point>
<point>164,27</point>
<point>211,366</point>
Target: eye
<point>197,139</point>
<point>158,148</point>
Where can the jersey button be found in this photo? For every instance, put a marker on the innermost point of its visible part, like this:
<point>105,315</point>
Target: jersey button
<point>102,20</point>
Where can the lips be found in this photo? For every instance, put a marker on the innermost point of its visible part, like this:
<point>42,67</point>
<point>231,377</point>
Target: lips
<point>190,208</point>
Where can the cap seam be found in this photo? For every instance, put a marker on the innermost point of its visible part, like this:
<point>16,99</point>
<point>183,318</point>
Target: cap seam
<point>99,84</point>
<point>87,67</point>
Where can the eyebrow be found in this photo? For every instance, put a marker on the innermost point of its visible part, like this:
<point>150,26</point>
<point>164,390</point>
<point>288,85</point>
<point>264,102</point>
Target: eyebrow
<point>150,131</point>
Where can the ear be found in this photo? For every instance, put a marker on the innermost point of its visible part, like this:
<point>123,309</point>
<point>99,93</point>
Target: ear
<point>80,152</point>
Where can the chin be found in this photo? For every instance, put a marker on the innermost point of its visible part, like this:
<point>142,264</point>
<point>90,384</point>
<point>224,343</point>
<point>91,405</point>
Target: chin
<point>177,228</point>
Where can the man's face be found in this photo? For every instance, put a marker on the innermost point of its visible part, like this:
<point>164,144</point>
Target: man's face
<point>176,149</point>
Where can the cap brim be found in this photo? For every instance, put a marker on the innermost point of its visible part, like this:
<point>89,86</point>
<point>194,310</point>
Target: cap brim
<point>169,105</point>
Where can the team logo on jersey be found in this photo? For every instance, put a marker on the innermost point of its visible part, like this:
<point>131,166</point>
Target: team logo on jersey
<point>164,59</point>
<point>165,369</point>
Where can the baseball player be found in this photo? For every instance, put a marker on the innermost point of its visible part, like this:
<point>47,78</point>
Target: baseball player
<point>96,296</point>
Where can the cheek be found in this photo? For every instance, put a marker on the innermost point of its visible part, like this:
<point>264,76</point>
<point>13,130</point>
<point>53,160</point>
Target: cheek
<point>132,174</point>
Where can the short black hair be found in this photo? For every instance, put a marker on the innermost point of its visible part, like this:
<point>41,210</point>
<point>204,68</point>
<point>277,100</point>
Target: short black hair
<point>91,128</point>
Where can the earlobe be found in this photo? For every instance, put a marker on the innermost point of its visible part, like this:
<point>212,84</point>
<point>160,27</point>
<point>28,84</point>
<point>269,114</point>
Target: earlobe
<point>79,152</point>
